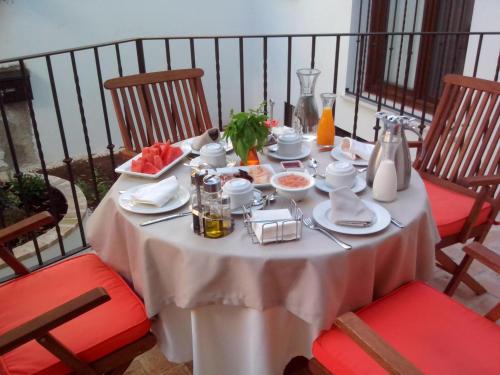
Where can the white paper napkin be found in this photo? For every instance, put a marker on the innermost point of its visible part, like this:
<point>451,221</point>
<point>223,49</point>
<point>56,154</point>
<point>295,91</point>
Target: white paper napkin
<point>266,231</point>
<point>352,149</point>
<point>348,209</point>
<point>157,194</point>
<point>209,136</point>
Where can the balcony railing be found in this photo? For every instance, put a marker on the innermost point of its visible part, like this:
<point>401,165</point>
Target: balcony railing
<point>271,70</point>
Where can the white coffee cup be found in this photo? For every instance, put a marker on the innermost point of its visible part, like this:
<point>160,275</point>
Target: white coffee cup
<point>289,144</point>
<point>240,192</point>
<point>213,154</point>
<point>340,173</point>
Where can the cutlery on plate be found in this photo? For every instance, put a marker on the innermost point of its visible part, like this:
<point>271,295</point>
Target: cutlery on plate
<point>165,218</point>
<point>397,223</point>
<point>310,223</point>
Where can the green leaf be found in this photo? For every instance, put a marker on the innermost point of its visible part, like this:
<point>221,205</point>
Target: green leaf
<point>247,130</point>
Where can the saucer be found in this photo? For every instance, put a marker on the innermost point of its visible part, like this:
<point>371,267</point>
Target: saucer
<point>231,161</point>
<point>257,196</point>
<point>359,185</point>
<point>127,202</point>
<point>338,155</point>
<point>304,153</point>
<point>321,213</point>
<point>228,146</point>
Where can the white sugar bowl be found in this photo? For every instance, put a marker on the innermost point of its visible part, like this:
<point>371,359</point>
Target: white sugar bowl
<point>214,154</point>
<point>240,192</point>
<point>289,144</point>
<point>340,173</point>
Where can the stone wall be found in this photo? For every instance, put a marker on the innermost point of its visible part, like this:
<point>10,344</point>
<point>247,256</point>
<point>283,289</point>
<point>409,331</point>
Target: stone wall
<point>22,135</point>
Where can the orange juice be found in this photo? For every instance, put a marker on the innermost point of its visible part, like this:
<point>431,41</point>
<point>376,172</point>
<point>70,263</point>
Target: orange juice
<point>326,128</point>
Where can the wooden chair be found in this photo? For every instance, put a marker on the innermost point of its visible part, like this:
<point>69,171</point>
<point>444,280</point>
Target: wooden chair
<point>459,163</point>
<point>413,330</point>
<point>160,106</point>
<point>76,316</point>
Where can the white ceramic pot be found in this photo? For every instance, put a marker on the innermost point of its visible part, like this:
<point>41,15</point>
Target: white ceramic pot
<point>214,154</point>
<point>240,192</point>
<point>289,144</point>
<point>340,173</point>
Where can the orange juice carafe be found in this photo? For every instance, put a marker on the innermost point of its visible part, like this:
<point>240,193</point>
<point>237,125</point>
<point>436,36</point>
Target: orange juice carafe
<point>326,126</point>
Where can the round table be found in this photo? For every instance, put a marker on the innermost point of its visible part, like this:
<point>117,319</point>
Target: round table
<point>234,307</point>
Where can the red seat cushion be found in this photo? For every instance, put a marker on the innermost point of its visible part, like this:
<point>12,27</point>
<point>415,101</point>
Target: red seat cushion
<point>435,333</point>
<point>91,336</point>
<point>450,209</point>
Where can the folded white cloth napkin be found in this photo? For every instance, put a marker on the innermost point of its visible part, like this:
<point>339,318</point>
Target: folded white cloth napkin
<point>348,209</point>
<point>157,194</point>
<point>352,149</point>
<point>210,136</point>
<point>268,231</point>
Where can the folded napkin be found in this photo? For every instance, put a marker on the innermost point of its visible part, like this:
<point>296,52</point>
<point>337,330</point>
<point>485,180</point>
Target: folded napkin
<point>157,194</point>
<point>210,136</point>
<point>352,149</point>
<point>348,209</point>
<point>267,230</point>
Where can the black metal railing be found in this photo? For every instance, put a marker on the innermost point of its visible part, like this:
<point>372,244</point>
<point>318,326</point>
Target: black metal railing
<point>354,86</point>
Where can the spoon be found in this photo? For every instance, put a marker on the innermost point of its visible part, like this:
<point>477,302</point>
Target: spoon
<point>313,163</point>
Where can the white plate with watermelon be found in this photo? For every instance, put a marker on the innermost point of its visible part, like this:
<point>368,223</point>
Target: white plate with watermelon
<point>153,161</point>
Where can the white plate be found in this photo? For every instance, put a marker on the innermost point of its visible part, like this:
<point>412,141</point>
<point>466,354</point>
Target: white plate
<point>127,203</point>
<point>232,160</point>
<point>304,153</point>
<point>126,168</point>
<point>228,146</point>
<point>257,195</point>
<point>321,214</point>
<point>338,155</point>
<point>245,168</point>
<point>359,184</point>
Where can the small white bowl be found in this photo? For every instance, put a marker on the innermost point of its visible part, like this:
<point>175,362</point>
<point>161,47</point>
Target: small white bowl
<point>297,194</point>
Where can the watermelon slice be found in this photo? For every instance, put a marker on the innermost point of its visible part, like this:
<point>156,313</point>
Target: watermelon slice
<point>173,153</point>
<point>158,163</point>
<point>149,168</point>
<point>137,165</point>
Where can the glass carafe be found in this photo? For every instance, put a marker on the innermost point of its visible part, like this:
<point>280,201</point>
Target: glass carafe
<point>305,115</point>
<point>326,126</point>
<point>385,184</point>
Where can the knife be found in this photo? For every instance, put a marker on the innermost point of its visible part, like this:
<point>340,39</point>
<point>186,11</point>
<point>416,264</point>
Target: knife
<point>165,218</point>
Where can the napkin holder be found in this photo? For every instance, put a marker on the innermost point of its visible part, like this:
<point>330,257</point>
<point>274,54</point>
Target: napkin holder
<point>277,226</point>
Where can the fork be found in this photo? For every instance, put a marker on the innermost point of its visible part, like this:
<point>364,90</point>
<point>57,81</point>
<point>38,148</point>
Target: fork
<point>309,222</point>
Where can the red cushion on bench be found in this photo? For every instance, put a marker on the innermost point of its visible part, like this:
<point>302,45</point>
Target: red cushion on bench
<point>110,326</point>
<point>435,333</point>
<point>451,209</point>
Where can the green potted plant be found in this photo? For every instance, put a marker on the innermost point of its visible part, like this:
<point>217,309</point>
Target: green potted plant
<point>248,133</point>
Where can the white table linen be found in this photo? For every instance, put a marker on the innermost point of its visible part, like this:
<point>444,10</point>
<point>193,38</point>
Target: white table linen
<point>242,308</point>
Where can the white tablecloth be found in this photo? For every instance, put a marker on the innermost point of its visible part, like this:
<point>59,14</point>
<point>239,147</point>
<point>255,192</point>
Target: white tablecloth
<point>241,308</point>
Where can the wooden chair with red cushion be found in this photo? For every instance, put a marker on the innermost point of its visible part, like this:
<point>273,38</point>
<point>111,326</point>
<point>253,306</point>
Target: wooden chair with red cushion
<point>75,316</point>
<point>459,163</point>
<point>159,106</point>
<point>413,330</point>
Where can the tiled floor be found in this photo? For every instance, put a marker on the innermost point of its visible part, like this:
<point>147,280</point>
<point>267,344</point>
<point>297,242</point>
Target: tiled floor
<point>154,363</point>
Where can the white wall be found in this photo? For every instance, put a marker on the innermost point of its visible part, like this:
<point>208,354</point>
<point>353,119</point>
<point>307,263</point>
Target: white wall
<point>484,18</point>
<point>31,26</point>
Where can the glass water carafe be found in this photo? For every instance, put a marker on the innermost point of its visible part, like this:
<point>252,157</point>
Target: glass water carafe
<point>326,126</point>
<point>305,115</point>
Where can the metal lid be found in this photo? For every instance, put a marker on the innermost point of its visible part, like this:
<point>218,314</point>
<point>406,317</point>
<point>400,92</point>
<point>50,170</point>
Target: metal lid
<point>211,184</point>
<point>197,177</point>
